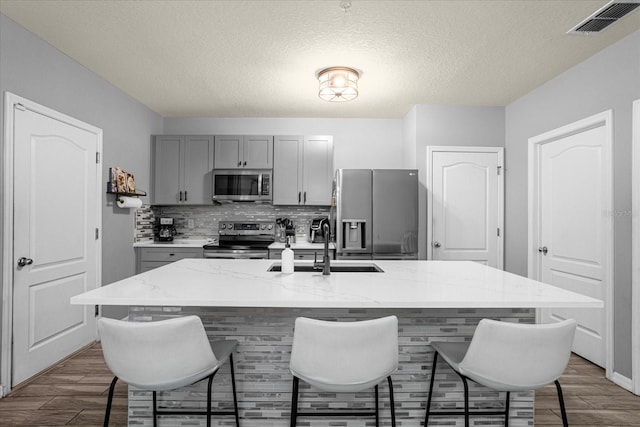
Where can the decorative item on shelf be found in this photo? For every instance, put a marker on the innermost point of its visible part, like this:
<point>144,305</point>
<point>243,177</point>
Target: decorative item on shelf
<point>123,185</point>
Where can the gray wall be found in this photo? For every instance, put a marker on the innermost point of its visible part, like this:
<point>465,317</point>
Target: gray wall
<point>608,80</point>
<point>33,69</point>
<point>358,143</point>
<point>451,126</point>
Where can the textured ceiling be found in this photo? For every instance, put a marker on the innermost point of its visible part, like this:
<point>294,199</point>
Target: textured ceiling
<point>259,58</point>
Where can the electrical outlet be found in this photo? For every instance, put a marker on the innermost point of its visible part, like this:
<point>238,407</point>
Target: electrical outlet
<point>190,223</point>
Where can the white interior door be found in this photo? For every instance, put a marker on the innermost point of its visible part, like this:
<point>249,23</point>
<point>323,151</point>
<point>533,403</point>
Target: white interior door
<point>573,218</point>
<point>465,204</point>
<point>54,234</point>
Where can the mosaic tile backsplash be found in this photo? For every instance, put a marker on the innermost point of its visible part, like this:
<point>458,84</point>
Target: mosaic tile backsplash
<point>204,219</point>
<point>264,381</point>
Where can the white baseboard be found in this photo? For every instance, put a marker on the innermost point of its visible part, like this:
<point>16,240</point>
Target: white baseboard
<point>1,391</point>
<point>622,381</point>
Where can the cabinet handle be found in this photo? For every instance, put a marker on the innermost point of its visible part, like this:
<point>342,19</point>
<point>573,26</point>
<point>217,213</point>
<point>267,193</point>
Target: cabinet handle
<point>185,195</point>
<point>299,195</point>
<point>245,164</point>
<point>172,254</point>
<point>239,163</point>
<point>181,195</point>
<point>305,197</point>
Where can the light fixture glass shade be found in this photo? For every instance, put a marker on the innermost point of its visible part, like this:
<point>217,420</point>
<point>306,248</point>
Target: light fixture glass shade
<point>338,84</point>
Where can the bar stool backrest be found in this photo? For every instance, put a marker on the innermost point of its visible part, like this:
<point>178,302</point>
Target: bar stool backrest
<point>344,356</point>
<point>161,355</point>
<point>512,357</point>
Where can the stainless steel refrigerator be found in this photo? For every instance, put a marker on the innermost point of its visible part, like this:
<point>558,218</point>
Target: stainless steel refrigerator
<point>376,213</point>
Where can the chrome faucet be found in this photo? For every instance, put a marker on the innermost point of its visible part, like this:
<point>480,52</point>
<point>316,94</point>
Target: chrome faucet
<point>325,265</point>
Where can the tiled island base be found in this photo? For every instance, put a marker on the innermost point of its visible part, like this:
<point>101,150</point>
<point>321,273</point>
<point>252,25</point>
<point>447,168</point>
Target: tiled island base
<point>264,381</point>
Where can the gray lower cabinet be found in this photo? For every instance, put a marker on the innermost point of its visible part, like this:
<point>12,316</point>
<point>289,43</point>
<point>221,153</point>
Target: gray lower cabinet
<point>181,169</point>
<point>302,170</point>
<point>150,258</point>
<point>243,152</point>
<point>302,254</point>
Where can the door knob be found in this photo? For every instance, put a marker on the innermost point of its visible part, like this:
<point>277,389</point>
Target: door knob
<point>543,249</point>
<point>22,261</point>
<point>436,244</point>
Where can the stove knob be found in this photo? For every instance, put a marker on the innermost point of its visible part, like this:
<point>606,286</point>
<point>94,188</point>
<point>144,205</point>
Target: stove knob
<point>230,226</point>
<point>223,226</point>
<point>270,226</point>
<point>264,226</point>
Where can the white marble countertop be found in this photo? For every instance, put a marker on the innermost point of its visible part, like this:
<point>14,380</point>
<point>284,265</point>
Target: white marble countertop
<point>176,243</point>
<point>404,284</point>
<point>302,244</point>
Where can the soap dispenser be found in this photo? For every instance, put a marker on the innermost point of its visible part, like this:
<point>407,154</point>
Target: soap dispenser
<point>287,258</point>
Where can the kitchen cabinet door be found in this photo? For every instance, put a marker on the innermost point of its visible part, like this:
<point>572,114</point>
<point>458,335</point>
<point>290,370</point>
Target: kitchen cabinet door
<point>303,170</point>
<point>239,152</point>
<point>182,170</point>
<point>287,185</point>
<point>198,164</point>
<point>228,152</point>
<point>166,169</point>
<point>257,152</point>
<point>317,170</point>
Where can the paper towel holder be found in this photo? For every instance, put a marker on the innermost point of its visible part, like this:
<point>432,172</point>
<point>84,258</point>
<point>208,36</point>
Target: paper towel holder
<point>119,194</point>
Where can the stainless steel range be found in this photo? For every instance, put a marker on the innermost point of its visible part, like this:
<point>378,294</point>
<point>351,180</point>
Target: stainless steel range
<point>242,240</point>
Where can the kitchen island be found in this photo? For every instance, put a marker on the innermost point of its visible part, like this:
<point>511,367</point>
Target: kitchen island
<point>241,299</point>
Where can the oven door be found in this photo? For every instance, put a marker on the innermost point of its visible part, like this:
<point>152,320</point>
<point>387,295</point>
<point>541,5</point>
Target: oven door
<point>236,253</point>
<point>241,185</point>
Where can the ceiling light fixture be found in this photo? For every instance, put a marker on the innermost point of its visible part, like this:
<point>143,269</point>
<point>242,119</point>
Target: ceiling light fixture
<point>338,84</point>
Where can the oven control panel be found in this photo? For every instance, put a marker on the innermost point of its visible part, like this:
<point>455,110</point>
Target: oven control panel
<point>245,228</point>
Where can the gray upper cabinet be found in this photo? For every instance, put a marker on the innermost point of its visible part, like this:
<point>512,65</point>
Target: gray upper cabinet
<point>240,152</point>
<point>182,169</point>
<point>303,170</point>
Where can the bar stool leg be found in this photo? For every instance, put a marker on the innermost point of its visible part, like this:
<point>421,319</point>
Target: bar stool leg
<point>294,402</point>
<point>377,416</point>
<point>393,404</point>
<point>209,399</point>
<point>466,401</point>
<point>155,409</point>
<point>109,400</point>
<point>565,423</point>
<point>433,375</point>
<point>506,410</point>
<point>233,386</point>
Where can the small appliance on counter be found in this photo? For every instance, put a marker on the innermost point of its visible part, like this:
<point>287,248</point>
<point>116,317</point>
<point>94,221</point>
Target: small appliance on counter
<point>166,230</point>
<point>316,230</point>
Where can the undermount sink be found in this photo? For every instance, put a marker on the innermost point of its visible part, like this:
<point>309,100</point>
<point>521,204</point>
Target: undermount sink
<point>335,268</point>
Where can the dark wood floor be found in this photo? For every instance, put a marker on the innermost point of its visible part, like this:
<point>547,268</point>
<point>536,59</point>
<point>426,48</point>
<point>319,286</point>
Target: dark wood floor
<point>74,392</point>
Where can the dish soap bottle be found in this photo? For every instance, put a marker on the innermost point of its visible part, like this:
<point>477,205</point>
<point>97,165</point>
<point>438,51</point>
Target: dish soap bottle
<point>287,258</point>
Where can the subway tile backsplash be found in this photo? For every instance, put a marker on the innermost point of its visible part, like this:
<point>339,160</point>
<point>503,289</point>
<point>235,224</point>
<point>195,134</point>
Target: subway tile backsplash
<point>204,219</point>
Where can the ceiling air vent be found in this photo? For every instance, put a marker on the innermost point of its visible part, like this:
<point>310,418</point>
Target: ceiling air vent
<point>605,16</point>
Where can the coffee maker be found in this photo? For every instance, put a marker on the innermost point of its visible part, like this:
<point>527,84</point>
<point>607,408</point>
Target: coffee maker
<point>316,230</point>
<point>166,230</point>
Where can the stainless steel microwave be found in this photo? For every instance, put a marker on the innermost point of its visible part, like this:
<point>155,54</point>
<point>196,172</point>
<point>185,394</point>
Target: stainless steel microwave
<point>245,185</point>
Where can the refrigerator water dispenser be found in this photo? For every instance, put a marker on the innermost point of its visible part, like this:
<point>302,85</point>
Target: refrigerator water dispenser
<point>353,232</point>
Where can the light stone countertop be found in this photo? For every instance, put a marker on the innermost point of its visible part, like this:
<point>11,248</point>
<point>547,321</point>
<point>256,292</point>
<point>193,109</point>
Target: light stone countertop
<point>404,284</point>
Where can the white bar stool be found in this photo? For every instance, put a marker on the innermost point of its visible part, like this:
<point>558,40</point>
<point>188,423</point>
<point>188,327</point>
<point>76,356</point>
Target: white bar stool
<point>165,355</point>
<point>507,357</point>
<point>344,357</point>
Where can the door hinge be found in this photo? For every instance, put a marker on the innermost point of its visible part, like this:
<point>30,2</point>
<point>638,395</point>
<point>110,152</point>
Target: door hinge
<point>97,233</point>
<point>20,106</point>
<point>499,168</point>
<point>498,231</point>
<point>97,157</point>
<point>97,311</point>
